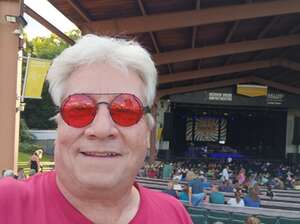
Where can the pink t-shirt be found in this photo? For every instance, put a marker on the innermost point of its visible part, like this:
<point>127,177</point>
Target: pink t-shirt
<point>39,201</point>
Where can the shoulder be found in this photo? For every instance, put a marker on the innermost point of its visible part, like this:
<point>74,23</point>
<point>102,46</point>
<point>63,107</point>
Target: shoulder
<point>12,195</point>
<point>161,204</point>
<point>13,191</point>
<point>10,187</point>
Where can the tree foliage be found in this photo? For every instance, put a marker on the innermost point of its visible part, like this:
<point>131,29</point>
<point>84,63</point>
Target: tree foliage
<point>49,47</point>
<point>38,111</point>
<point>26,139</point>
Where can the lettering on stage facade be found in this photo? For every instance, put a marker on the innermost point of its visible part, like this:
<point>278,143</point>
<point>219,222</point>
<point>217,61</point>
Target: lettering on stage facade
<point>220,96</point>
<point>227,96</point>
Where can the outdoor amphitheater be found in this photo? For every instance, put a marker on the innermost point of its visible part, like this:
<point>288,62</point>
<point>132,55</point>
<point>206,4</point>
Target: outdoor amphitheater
<point>226,138</point>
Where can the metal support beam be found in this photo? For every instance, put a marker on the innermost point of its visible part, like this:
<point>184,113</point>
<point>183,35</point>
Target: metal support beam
<point>266,29</point>
<point>226,49</point>
<point>284,52</point>
<point>48,25</point>
<point>175,20</point>
<point>295,29</point>
<point>153,39</point>
<point>232,30</point>
<point>194,35</point>
<point>79,10</point>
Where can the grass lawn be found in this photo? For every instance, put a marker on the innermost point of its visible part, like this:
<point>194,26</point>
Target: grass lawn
<point>25,157</point>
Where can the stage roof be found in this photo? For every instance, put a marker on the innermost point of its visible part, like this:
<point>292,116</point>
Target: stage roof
<point>203,44</point>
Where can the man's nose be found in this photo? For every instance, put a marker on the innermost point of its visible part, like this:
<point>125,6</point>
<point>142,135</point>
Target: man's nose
<point>102,126</point>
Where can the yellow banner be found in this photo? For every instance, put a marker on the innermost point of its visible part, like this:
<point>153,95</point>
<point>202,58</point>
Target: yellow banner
<point>252,90</point>
<point>36,74</point>
<point>158,134</point>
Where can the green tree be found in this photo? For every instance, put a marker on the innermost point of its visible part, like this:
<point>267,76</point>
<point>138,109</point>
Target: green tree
<point>49,47</point>
<point>38,111</point>
<point>26,139</point>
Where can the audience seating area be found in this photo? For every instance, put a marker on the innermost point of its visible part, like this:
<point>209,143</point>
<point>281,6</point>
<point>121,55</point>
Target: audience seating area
<point>276,211</point>
<point>284,199</point>
<point>283,209</point>
<point>204,215</point>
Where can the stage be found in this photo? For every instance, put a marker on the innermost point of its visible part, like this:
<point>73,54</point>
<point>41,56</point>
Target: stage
<point>215,132</point>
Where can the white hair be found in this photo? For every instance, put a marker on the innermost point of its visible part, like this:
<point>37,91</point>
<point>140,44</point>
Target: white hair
<point>124,54</point>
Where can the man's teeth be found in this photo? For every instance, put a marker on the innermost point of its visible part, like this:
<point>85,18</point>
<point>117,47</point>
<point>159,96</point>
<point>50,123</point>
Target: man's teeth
<point>101,154</point>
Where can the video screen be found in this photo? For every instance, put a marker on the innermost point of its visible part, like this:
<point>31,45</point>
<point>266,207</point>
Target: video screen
<point>206,129</point>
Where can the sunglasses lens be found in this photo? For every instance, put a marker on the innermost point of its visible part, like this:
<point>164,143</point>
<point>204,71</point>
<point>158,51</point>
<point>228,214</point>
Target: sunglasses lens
<point>78,110</point>
<point>126,110</point>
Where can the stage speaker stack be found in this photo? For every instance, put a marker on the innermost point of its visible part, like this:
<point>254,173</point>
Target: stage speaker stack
<point>296,136</point>
<point>167,132</point>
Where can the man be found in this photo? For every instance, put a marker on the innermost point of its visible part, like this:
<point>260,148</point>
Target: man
<point>225,173</point>
<point>237,201</point>
<point>216,197</point>
<point>104,88</point>
<point>196,194</point>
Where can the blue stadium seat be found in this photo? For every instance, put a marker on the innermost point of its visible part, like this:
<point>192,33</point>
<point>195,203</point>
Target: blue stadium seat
<point>198,219</point>
<point>197,211</point>
<point>214,216</point>
<point>239,217</point>
<point>267,219</point>
<point>288,221</point>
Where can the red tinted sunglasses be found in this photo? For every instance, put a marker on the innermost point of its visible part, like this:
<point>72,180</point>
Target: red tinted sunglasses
<point>79,110</point>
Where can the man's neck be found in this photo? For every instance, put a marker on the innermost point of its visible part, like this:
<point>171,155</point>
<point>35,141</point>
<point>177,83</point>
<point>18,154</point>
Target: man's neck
<point>104,207</point>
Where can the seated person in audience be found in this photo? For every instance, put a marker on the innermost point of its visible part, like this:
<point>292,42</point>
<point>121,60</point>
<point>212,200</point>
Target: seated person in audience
<point>210,173</point>
<point>237,200</point>
<point>9,173</point>
<point>167,171</point>
<point>190,175</point>
<point>278,183</point>
<point>226,186</point>
<point>177,176</point>
<point>21,174</point>
<point>184,172</point>
<point>170,190</point>
<point>264,178</point>
<point>252,199</point>
<point>184,194</point>
<point>216,197</point>
<point>152,172</point>
<point>241,177</point>
<point>225,173</point>
<point>269,192</point>
<point>252,220</point>
<point>196,194</point>
<point>290,181</point>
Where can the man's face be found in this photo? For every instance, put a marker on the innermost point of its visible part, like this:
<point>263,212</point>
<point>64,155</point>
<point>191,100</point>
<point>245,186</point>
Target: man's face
<point>84,155</point>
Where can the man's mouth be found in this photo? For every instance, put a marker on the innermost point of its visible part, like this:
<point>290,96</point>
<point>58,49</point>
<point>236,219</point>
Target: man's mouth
<point>101,154</point>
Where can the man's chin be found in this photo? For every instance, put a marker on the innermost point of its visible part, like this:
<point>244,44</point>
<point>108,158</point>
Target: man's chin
<point>96,180</point>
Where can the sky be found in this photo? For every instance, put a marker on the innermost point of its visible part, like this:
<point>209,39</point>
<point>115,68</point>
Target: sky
<point>48,12</point>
